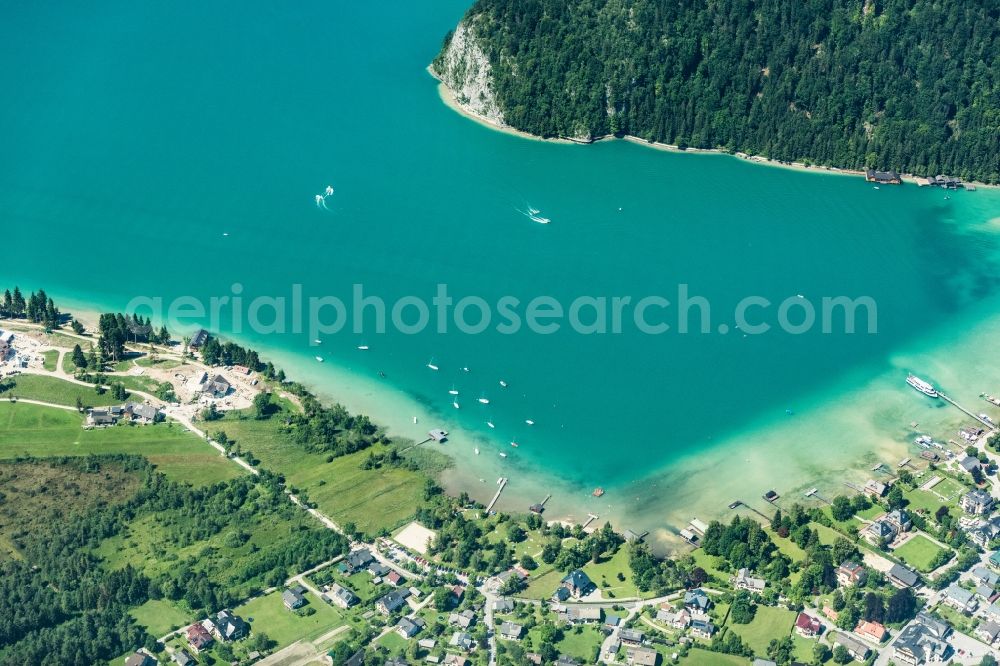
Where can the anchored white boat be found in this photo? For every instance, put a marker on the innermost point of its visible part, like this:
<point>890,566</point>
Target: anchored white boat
<point>490,424</point>
<point>453,391</point>
<point>363,347</point>
<point>454,403</point>
<point>319,358</point>
<point>529,421</point>
<point>503,383</point>
<point>432,365</point>
<point>922,386</point>
<point>484,400</point>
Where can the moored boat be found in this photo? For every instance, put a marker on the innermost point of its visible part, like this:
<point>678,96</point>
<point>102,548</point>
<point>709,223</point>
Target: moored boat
<point>922,386</point>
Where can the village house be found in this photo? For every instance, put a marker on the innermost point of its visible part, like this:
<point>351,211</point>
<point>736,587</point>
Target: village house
<point>763,662</point>
<point>921,641</point>
<point>452,659</point>
<point>969,463</point>
<point>977,502</point>
<point>511,631</point>
<point>902,577</point>
<point>582,614</point>
<point>182,657</point>
<point>858,650</point>
<point>984,532</point>
<point>631,636</point>
<point>850,573</point>
<point>873,631</point>
<point>199,637</point>
<point>465,619</point>
<point>140,659</point>
<point>984,576</point>
<point>462,641</point>
<point>807,626</point>
<point>356,561</point>
<point>408,628</point>
<point>611,622</point>
<point>293,597</point>
<point>641,656</point>
<point>391,602</point>
<point>198,340</point>
<point>218,387</point>
<point>340,596</point>
<point>503,606</point>
<point>229,626</point>
<point>566,660</point>
<point>899,520</point>
<point>879,531</point>
<point>577,584</point>
<point>988,632</point>
<point>394,578</point>
<point>100,417</point>
<point>142,413</point>
<point>702,629</point>
<point>426,643</point>
<point>744,581</point>
<point>673,618</point>
<point>697,600</point>
<point>960,599</point>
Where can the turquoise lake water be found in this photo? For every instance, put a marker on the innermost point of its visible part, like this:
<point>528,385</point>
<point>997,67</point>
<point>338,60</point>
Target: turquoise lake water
<point>135,137</point>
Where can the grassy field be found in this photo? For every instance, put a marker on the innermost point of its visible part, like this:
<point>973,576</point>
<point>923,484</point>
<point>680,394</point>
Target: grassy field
<point>922,499</point>
<point>161,363</point>
<point>827,536</point>
<point>607,572</point>
<point>582,645</point>
<point>787,546</point>
<point>371,499</point>
<point>919,552</point>
<point>46,431</point>
<point>710,564</point>
<point>50,360</point>
<point>767,624</point>
<point>543,583</point>
<point>160,616</point>
<point>284,626</point>
<point>56,391</point>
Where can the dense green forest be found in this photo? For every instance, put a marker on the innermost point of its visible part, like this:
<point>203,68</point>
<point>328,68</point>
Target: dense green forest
<point>910,85</point>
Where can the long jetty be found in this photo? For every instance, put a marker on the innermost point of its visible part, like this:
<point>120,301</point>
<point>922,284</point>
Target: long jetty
<point>986,423</point>
<point>503,484</point>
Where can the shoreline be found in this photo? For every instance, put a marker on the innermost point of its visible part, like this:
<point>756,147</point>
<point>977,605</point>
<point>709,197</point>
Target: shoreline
<point>447,96</point>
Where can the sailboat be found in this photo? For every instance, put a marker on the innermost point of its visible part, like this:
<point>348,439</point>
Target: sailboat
<point>484,400</point>
<point>529,421</point>
<point>363,347</point>
<point>514,443</point>
<point>454,403</point>
<point>319,358</point>
<point>490,424</point>
<point>503,383</point>
<point>453,390</point>
<point>476,450</point>
<point>431,365</point>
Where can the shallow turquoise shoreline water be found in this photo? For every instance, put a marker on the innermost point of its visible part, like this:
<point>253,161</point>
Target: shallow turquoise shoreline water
<point>137,138</point>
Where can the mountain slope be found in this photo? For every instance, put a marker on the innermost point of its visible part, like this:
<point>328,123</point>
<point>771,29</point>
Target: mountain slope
<point>912,85</point>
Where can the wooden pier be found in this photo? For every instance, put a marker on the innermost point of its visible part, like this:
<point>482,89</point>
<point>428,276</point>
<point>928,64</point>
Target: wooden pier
<point>503,484</point>
<point>984,422</point>
<point>591,517</point>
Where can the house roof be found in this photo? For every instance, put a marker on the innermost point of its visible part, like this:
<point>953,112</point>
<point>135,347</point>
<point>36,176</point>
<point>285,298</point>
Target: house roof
<point>968,463</point>
<point>576,578</point>
<point>511,629</point>
<point>852,644</point>
<point>643,656</point>
<point>959,594</point>
<point>903,575</point>
<point>631,635</point>
<point>804,621</point>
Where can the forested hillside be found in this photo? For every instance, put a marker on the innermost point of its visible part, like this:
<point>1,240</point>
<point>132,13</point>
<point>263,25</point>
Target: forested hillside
<point>911,85</point>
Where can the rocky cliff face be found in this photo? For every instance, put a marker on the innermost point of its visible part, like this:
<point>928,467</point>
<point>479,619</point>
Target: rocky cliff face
<point>464,67</point>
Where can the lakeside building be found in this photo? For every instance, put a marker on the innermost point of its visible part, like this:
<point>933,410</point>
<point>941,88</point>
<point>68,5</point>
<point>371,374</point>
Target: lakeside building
<point>744,581</point>
<point>882,177</point>
<point>977,502</point>
<point>902,577</point>
<point>850,573</point>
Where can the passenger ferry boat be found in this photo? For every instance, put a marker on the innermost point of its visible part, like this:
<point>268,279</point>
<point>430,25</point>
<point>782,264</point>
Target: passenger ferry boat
<point>922,386</point>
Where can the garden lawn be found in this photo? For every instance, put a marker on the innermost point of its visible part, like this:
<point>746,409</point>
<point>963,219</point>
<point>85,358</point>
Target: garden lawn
<point>583,645</point>
<point>47,431</point>
<point>827,535</point>
<point>543,583</point>
<point>699,657</point>
<point>284,626</point>
<point>56,391</point>
<point>608,570</point>
<point>160,616</point>
<point>787,546</point>
<point>768,623</point>
<point>918,552</point>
